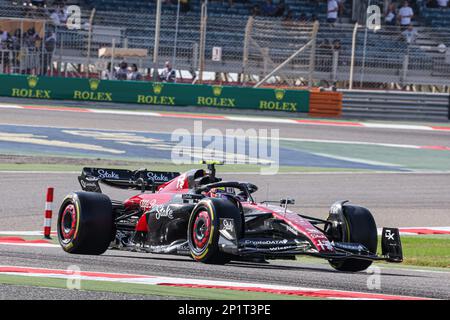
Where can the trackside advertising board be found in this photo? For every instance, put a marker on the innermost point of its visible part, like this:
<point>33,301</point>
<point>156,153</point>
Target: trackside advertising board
<point>153,93</point>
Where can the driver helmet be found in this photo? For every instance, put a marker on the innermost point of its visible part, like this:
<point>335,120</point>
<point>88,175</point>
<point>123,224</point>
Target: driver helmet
<point>220,192</point>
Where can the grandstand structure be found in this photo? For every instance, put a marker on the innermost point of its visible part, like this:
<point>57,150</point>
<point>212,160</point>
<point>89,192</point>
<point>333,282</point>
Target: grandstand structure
<point>254,45</point>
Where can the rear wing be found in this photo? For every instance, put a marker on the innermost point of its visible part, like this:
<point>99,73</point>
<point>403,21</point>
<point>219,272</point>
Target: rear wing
<point>141,179</point>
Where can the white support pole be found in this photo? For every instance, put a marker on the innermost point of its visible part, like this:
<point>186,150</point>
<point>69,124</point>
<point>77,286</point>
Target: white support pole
<point>157,37</point>
<point>175,41</point>
<point>283,64</point>
<point>352,64</point>
<point>91,20</point>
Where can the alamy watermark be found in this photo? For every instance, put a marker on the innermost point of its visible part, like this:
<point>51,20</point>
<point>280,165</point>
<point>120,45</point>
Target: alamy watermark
<point>374,279</point>
<point>73,277</point>
<point>234,146</point>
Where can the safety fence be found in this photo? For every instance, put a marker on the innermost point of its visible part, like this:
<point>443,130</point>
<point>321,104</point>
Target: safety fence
<point>229,48</point>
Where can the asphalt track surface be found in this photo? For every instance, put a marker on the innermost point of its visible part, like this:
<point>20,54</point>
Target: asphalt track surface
<point>396,199</point>
<point>302,274</point>
<point>158,124</point>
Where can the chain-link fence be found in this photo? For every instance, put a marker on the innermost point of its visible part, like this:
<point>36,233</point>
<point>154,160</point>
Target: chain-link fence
<point>234,49</point>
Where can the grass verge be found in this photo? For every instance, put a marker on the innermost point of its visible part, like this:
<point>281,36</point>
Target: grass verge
<point>427,251</point>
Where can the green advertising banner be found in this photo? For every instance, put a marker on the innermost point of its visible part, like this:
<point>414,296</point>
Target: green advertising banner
<point>153,93</point>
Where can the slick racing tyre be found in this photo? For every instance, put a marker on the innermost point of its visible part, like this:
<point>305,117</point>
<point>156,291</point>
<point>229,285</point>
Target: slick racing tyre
<point>85,223</point>
<point>353,224</point>
<point>203,229</point>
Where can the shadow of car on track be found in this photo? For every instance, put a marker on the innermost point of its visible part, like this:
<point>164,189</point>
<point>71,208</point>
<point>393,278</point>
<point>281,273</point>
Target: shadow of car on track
<point>266,266</point>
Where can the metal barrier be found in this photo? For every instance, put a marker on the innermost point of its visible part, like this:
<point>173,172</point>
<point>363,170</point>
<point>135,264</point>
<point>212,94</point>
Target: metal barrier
<point>396,105</point>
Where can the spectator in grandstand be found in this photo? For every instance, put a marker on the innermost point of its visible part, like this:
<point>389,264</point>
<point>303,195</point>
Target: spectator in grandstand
<point>303,18</point>
<point>280,9</point>
<point>314,18</point>
<point>256,11</point>
<point>405,15</point>
<point>49,49</point>
<point>54,16</point>
<point>168,74</point>
<point>122,73</point>
<point>332,13</point>
<point>443,3</point>
<point>390,16</point>
<point>410,35</point>
<point>268,9</point>
<point>185,5</point>
<point>109,74</point>
<point>324,56</point>
<point>134,74</point>
<point>288,19</point>
<point>337,45</point>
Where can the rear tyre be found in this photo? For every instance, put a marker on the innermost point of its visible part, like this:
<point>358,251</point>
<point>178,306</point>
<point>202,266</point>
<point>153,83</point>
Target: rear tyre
<point>355,225</point>
<point>85,223</point>
<point>203,229</point>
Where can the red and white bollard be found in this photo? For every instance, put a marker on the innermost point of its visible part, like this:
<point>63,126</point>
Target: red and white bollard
<point>48,214</point>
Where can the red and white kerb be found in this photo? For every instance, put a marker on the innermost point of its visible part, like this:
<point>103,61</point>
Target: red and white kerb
<point>48,213</point>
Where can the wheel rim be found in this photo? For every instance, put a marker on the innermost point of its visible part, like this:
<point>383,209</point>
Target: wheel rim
<point>201,230</point>
<point>68,223</point>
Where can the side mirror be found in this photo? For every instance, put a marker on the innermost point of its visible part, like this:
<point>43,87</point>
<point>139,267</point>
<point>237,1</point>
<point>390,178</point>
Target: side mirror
<point>287,201</point>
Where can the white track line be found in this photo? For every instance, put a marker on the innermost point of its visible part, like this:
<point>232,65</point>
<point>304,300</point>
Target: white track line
<point>237,118</point>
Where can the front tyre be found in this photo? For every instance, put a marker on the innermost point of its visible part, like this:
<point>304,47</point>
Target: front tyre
<point>85,223</point>
<point>203,229</point>
<point>353,224</point>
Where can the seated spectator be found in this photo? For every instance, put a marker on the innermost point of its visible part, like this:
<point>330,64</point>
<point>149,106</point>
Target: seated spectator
<point>256,11</point>
<point>54,16</point>
<point>168,74</point>
<point>288,19</point>
<point>390,16</point>
<point>303,18</point>
<point>405,14</point>
<point>109,74</point>
<point>280,8</point>
<point>333,9</point>
<point>432,4</point>
<point>410,35</point>
<point>134,73</point>
<point>268,9</point>
<point>122,73</point>
<point>185,5</point>
<point>443,3</point>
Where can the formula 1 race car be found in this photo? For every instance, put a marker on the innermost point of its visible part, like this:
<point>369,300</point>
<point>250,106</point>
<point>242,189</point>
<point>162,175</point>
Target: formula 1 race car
<point>214,221</point>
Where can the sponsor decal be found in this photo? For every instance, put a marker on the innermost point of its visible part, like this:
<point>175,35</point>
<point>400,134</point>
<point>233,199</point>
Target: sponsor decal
<point>389,235</point>
<point>335,209</point>
<point>181,181</point>
<point>228,225</point>
<point>279,94</point>
<point>105,174</point>
<point>163,211</point>
<point>31,92</point>
<point>32,81</point>
<point>216,100</point>
<point>156,98</point>
<point>87,184</point>
<point>157,177</point>
<point>325,245</point>
<point>265,242</point>
<point>93,94</point>
<point>278,103</point>
<point>147,204</point>
<point>290,229</point>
